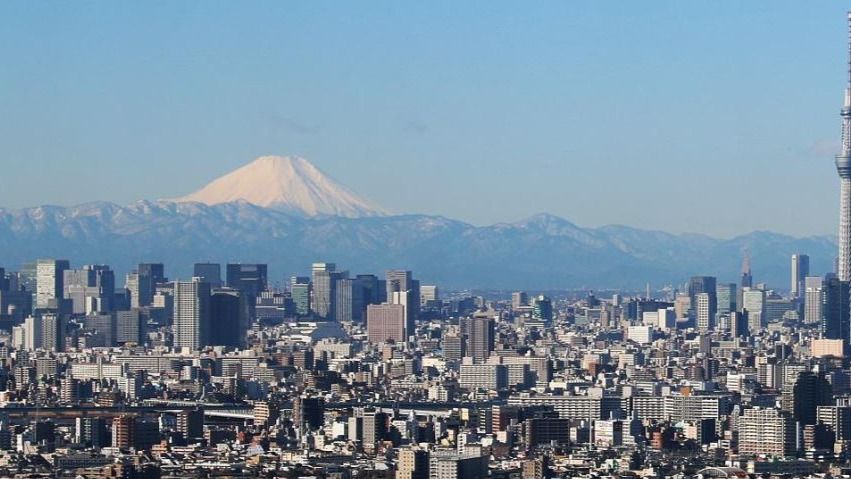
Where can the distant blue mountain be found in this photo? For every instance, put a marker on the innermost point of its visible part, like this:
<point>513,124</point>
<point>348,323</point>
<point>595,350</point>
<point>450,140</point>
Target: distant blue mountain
<point>542,252</point>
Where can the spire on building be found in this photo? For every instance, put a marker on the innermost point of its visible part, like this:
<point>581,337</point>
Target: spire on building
<point>843,168</point>
<point>747,277</point>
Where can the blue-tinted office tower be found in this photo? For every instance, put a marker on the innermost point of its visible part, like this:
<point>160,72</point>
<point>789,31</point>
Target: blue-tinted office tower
<point>228,317</point>
<point>300,291</point>
<point>250,279</point>
<point>703,284</point>
<point>209,273</point>
<point>836,321</point>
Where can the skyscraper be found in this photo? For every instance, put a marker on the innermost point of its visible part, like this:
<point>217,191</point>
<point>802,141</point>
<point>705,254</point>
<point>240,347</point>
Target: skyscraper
<point>813,289</point>
<point>16,304</point>
<point>373,289</point>
<point>542,308</point>
<point>53,332</point>
<point>151,275</point>
<point>104,325</point>
<point>836,322</point>
<point>753,302</point>
<point>50,275</point>
<point>726,297</point>
<point>519,299</point>
<point>44,332</point>
<point>209,273</point>
<point>800,270</point>
<point>349,300</point>
<point>129,327</point>
<point>191,314</point>
<point>155,271</point>
<point>250,279</point>
<point>91,289</point>
<point>747,276</point>
<point>325,278</point>
<point>228,317</point>
<point>401,281</point>
<point>705,318</point>
<point>386,322</point>
<point>739,324</point>
<point>32,333</point>
<point>480,337</point>
<point>398,280</point>
<point>428,293</point>
<point>843,168</point>
<point>405,298</point>
<point>142,283</point>
<point>140,289</point>
<point>300,291</point>
<point>703,284</point>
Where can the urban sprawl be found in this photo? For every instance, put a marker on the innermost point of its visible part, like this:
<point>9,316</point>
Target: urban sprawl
<point>346,376</point>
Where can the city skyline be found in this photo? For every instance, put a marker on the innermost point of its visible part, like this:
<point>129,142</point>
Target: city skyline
<point>757,124</point>
<point>276,323</point>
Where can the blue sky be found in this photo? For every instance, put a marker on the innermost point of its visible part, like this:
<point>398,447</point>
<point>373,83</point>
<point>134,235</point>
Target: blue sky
<point>710,117</point>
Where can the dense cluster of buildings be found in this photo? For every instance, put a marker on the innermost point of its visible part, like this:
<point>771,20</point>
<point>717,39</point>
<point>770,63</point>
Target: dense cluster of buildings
<point>347,375</point>
<point>363,376</point>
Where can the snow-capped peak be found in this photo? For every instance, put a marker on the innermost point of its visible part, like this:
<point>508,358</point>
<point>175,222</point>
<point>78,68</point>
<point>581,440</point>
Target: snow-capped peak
<point>289,184</point>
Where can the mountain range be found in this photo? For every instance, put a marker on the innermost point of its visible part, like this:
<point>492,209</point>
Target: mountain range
<point>292,215</point>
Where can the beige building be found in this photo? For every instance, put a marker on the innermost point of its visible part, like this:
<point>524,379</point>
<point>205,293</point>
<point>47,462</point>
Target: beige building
<point>766,431</point>
<point>826,347</point>
<point>413,464</point>
<point>385,322</point>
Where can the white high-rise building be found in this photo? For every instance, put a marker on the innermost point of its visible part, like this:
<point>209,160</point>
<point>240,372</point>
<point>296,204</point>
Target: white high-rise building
<point>191,314</point>
<point>33,333</point>
<point>704,312</point>
<point>428,293</point>
<point>406,299</point>
<point>753,300</point>
<point>813,292</point>
<point>49,281</point>
<point>324,283</point>
<point>52,332</point>
<point>19,340</point>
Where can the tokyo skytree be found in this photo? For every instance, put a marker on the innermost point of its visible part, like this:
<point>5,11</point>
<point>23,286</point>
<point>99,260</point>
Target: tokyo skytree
<point>843,167</point>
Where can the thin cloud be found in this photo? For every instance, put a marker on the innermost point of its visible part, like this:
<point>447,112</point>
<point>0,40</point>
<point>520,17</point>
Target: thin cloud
<point>290,124</point>
<point>415,126</point>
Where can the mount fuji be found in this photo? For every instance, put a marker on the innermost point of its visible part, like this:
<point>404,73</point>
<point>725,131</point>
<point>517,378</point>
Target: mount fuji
<point>284,212</point>
<point>288,184</point>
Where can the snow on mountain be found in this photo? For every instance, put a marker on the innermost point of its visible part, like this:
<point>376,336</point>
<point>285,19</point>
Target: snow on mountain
<point>289,184</point>
<point>538,253</point>
<point>285,212</point>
